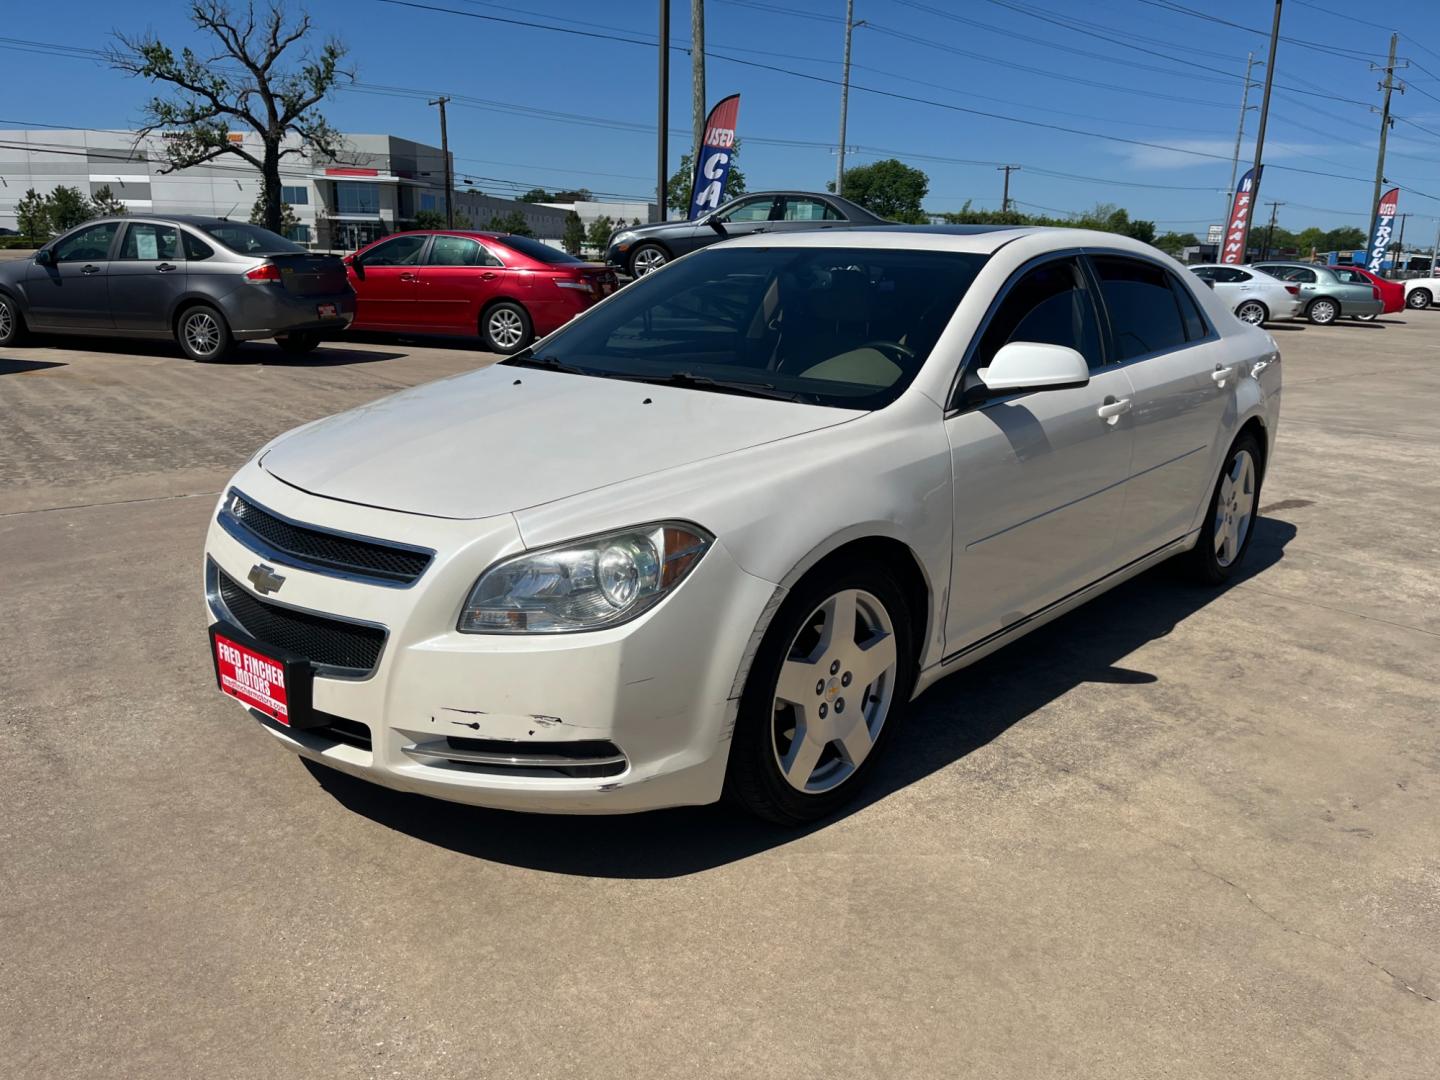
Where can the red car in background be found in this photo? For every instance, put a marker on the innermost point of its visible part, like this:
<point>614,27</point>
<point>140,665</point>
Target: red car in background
<point>1391,292</point>
<point>507,289</point>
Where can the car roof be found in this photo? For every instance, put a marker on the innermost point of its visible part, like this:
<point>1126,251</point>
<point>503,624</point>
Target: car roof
<point>977,239</point>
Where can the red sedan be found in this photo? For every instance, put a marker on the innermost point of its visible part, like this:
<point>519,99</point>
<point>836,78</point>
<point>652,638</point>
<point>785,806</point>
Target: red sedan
<point>507,289</point>
<point>1391,292</point>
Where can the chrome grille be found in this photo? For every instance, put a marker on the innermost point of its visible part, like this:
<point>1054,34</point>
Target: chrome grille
<point>321,550</point>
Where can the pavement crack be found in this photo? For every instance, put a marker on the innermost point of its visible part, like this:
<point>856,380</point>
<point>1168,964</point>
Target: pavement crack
<point>111,502</point>
<point>1338,610</point>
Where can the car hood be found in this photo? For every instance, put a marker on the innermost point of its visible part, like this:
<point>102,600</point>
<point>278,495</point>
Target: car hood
<point>507,438</point>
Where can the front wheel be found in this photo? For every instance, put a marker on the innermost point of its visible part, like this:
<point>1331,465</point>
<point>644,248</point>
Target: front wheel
<point>1419,299</point>
<point>1230,519</point>
<point>203,335</point>
<point>1252,312</point>
<point>824,695</point>
<point>298,343</point>
<point>1323,312</point>
<point>646,259</point>
<point>506,328</point>
<point>12,323</point>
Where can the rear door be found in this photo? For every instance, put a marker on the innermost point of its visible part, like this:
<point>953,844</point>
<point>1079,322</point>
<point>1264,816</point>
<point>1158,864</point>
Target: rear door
<point>459,278</point>
<point>386,279</point>
<point>1183,388</point>
<point>147,277</point>
<point>72,293</point>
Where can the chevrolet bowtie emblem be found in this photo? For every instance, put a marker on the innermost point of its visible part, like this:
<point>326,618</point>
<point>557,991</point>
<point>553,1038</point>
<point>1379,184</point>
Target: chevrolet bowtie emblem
<point>265,579</point>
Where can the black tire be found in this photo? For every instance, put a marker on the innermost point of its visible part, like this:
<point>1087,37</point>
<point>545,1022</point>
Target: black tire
<point>1419,299</point>
<point>506,328</point>
<point>1322,311</point>
<point>1367,318</point>
<point>754,779</point>
<point>12,323</point>
<point>1206,562</point>
<point>299,343</point>
<point>647,258</point>
<point>203,335</point>
<point>1252,312</point>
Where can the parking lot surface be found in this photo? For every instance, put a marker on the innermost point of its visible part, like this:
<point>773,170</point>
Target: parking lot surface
<point>1177,833</point>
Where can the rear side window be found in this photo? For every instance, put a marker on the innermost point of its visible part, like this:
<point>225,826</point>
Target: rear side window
<point>1196,327</point>
<point>250,239</point>
<point>1144,311</point>
<point>195,248</point>
<point>1050,305</point>
<point>453,251</point>
<point>537,249</point>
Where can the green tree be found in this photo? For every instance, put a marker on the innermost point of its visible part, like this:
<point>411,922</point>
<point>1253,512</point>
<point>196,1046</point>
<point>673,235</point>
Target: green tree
<point>288,220</point>
<point>1103,217</point>
<point>535,195</point>
<point>67,207</point>
<point>574,236</point>
<point>889,188</point>
<point>32,217</point>
<point>1173,243</point>
<point>429,219</point>
<point>1343,239</point>
<point>513,223</point>
<point>242,85</point>
<point>578,195</point>
<point>677,188</point>
<point>104,203</point>
<point>598,235</point>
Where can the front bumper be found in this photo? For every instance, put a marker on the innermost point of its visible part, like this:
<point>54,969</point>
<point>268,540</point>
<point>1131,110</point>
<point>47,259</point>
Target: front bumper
<point>663,689</point>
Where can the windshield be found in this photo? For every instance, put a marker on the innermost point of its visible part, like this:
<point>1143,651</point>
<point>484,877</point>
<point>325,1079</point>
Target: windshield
<point>830,326</point>
<point>250,239</point>
<point>538,250</point>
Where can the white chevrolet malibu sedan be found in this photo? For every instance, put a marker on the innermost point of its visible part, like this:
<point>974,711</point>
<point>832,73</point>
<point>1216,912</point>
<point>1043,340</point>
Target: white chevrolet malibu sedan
<point>712,536</point>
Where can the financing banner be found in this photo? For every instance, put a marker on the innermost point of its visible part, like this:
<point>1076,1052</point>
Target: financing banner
<point>1237,229</point>
<point>712,164</point>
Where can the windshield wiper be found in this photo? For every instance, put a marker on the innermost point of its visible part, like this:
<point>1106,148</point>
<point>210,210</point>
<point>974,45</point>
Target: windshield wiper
<point>525,358</point>
<point>721,386</point>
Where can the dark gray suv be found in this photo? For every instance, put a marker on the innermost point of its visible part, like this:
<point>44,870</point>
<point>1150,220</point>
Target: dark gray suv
<point>206,282</point>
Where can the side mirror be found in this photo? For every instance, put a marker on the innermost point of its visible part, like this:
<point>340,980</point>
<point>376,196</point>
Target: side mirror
<point>355,264</point>
<point>712,219</point>
<point>1029,365</point>
<point>43,258</point>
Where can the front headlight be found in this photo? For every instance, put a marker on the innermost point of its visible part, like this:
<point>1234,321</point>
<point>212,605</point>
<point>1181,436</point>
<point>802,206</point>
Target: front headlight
<point>622,239</point>
<point>586,584</point>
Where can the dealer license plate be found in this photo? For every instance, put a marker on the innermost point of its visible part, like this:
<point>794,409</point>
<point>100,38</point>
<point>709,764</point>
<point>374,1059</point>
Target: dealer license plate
<point>325,311</point>
<point>277,686</point>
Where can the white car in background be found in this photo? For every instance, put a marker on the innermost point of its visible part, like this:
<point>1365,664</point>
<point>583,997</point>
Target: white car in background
<point>713,535</point>
<point>1253,295</point>
<point>1422,292</point>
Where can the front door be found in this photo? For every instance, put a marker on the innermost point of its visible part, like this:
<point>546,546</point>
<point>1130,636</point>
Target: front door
<point>72,293</point>
<point>1038,477</point>
<point>386,279</point>
<point>459,278</point>
<point>147,277</point>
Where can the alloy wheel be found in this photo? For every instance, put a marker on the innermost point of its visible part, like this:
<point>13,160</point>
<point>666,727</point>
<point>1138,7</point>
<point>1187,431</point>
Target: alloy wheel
<point>202,333</point>
<point>1234,508</point>
<point>1322,312</point>
<point>1251,312</point>
<point>648,260</point>
<point>1418,299</point>
<point>834,692</point>
<point>7,321</point>
<point>506,329</point>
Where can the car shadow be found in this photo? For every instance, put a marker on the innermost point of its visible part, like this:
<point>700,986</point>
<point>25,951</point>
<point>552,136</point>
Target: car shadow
<point>954,718</point>
<point>1287,327</point>
<point>329,353</point>
<point>428,341</point>
<point>19,367</point>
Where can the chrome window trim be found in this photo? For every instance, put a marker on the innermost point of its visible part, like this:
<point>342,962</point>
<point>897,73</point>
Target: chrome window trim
<point>329,671</point>
<point>249,539</point>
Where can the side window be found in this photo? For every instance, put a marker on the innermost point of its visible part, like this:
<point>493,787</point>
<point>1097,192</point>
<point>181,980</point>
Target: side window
<point>1350,277</point>
<point>454,251</point>
<point>1144,313</point>
<point>757,209</point>
<point>87,245</point>
<point>1196,327</point>
<point>1309,277</point>
<point>802,209</point>
<point>195,248</point>
<point>401,251</point>
<point>1051,305</point>
<point>489,258</point>
<point>1240,275</point>
<point>145,242</point>
<point>1207,273</point>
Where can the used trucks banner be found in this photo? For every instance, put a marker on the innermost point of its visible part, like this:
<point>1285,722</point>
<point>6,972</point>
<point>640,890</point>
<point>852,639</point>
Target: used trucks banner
<point>1384,229</point>
<point>712,163</point>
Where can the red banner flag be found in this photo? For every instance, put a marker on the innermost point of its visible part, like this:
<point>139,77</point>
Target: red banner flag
<point>1237,229</point>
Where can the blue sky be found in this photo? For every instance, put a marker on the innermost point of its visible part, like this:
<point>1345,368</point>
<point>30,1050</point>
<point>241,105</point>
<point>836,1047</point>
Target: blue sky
<point>543,108</point>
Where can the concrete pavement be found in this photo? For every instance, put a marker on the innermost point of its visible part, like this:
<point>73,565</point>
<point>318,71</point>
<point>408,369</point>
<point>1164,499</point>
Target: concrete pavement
<point>1177,833</point>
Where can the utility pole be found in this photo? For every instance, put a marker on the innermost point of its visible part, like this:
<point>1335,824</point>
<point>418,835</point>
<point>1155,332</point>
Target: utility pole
<point>1435,253</point>
<point>850,25</point>
<point>1386,123</point>
<point>1005,199</point>
<point>1245,107</point>
<point>1270,232</point>
<point>445,153</point>
<point>662,148</point>
<point>1264,110</point>
<point>697,70</point>
<point>1399,245</point>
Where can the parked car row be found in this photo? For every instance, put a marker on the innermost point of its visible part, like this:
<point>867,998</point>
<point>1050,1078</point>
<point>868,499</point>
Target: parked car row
<point>1274,291</point>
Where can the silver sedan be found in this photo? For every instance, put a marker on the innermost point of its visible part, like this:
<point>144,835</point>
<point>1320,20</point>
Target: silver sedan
<point>1253,295</point>
<point>1325,295</point>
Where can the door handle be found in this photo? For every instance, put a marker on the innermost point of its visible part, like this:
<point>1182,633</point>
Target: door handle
<point>487,276</point>
<point>1222,374</point>
<point>1112,410</point>
<point>408,277</point>
<point>165,268</point>
<point>88,269</point>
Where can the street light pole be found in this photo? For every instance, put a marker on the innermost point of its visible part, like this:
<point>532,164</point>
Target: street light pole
<point>662,149</point>
<point>445,153</point>
<point>1240,131</point>
<point>850,25</point>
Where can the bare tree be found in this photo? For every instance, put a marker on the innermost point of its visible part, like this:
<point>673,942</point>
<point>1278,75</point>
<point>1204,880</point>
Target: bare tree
<point>212,95</point>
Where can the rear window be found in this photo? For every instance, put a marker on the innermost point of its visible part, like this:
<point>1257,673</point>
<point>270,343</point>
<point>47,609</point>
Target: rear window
<point>538,251</point>
<point>250,239</point>
<point>1144,313</point>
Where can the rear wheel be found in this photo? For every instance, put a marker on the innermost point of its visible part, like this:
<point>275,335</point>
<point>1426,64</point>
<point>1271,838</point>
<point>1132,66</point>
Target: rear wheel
<point>824,695</point>
<point>298,343</point>
<point>12,323</point>
<point>1418,299</point>
<point>1252,312</point>
<point>203,334</point>
<point>1230,519</point>
<point>506,328</point>
<point>1368,318</point>
<point>1323,312</point>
